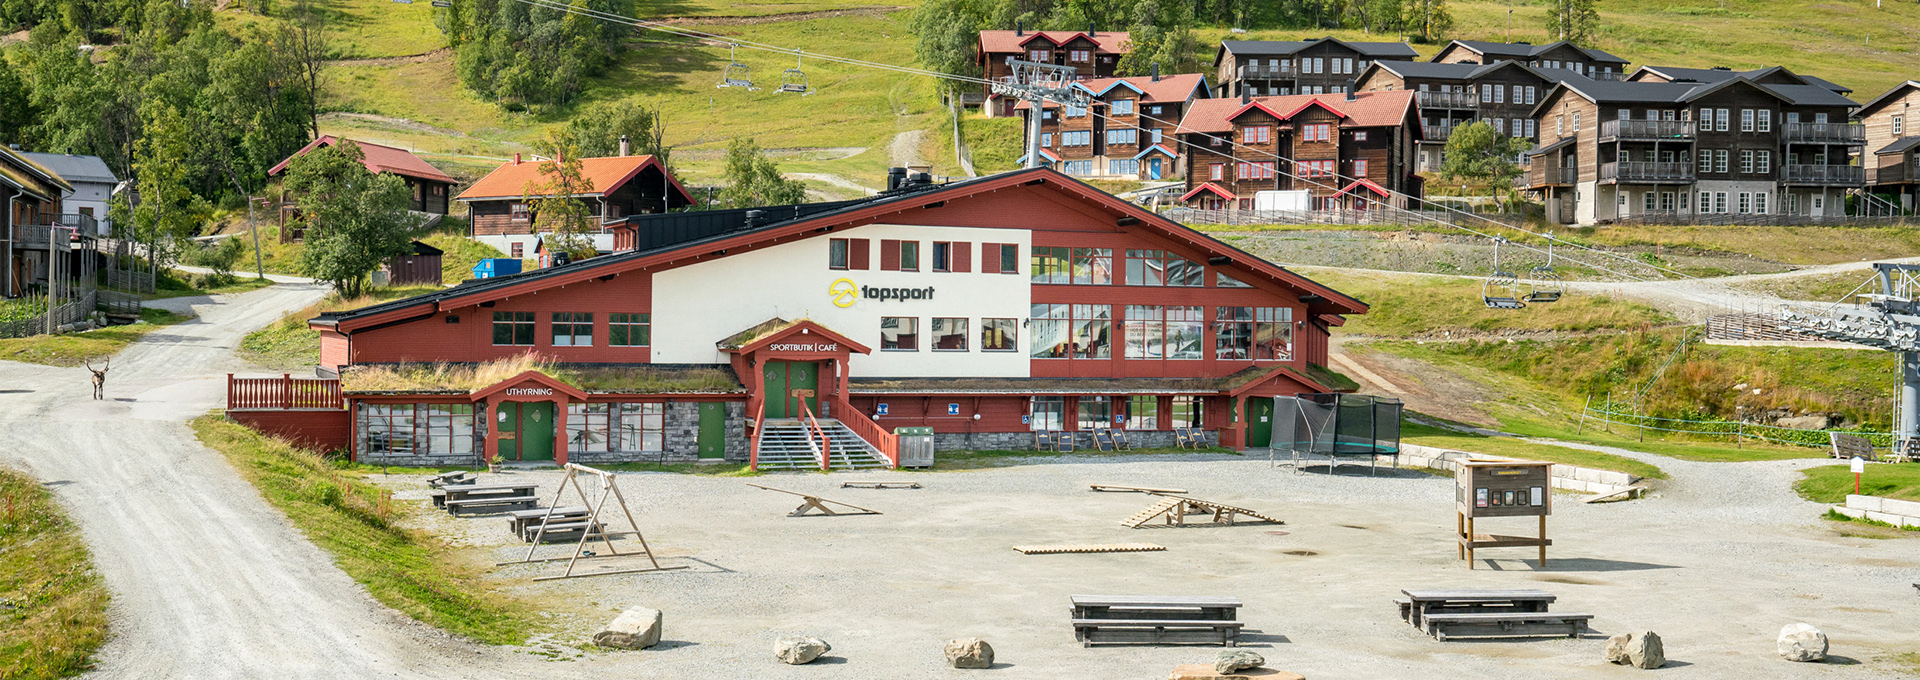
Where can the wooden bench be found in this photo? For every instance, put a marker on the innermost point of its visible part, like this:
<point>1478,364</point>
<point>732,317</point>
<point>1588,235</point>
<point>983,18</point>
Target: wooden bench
<point>1133,489</point>
<point>1091,632</point>
<point>1155,607</point>
<point>493,503</point>
<point>453,493</point>
<point>1419,603</point>
<point>452,478</point>
<point>1505,624</point>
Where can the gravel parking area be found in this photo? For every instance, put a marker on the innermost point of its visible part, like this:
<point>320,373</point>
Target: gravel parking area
<point>1715,563</point>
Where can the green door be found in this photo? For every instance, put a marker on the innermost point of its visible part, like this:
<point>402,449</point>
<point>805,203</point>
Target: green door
<point>1259,421</point>
<point>803,375</point>
<point>713,429</point>
<point>774,376</point>
<point>536,430</point>
<point>507,421</point>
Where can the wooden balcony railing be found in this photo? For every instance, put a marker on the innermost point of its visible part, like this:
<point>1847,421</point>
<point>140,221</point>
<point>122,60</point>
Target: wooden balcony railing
<point>1551,175</point>
<point>1824,133</point>
<point>1258,72</point>
<point>1646,171</point>
<point>1435,133</point>
<point>1446,100</point>
<point>1651,130</point>
<point>285,392</point>
<point>1826,175</point>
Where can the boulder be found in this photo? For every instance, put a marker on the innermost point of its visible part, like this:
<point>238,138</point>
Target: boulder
<point>969,653</point>
<point>1640,650</point>
<point>1802,642</point>
<point>1236,659</point>
<point>636,628</point>
<point>1815,421</point>
<point>796,650</point>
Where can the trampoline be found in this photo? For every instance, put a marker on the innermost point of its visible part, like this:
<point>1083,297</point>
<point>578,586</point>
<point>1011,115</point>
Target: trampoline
<point>1335,426</point>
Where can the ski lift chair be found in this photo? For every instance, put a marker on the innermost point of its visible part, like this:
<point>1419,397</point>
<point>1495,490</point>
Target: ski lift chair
<point>1545,282</point>
<point>1501,290</point>
<point>794,80</point>
<point>736,74</point>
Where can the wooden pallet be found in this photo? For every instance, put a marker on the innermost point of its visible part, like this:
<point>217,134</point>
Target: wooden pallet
<point>1091,548</point>
<point>879,485</point>
<point>1176,508</point>
<point>1134,489</point>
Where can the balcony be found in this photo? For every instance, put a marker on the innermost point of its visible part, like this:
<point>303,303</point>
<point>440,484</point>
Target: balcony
<point>1646,130</point>
<point>1824,133</point>
<point>1446,100</point>
<point>1435,133</point>
<point>1824,175</point>
<point>1542,175</point>
<point>1641,172</point>
<point>1258,72</point>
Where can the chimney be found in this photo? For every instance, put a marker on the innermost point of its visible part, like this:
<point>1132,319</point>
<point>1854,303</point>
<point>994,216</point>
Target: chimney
<point>1246,96</point>
<point>1090,32</point>
<point>516,158</point>
<point>1018,30</point>
<point>1156,71</point>
<point>1351,95</point>
<point>625,148</point>
<point>895,178</point>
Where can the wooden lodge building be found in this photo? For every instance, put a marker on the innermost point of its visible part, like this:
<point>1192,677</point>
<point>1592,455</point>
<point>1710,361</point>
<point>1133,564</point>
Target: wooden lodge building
<point>1269,68</point>
<point>1736,146</point>
<point>1349,151</point>
<point>33,229</point>
<point>1127,134</point>
<point>1558,56</point>
<point>428,185</point>
<point>1502,94</point>
<point>1092,54</point>
<point>1893,144</point>
<point>618,186</point>
<point>985,309</point>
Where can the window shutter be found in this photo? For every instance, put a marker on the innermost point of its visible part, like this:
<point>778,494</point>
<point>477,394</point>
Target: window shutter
<point>857,253</point>
<point>889,255</point>
<point>990,258</point>
<point>961,255</point>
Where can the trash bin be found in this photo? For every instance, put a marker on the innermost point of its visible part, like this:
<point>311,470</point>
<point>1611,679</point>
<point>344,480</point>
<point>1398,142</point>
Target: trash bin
<point>916,446</point>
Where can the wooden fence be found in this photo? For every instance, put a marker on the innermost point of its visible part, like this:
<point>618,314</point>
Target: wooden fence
<point>50,321</point>
<point>284,392</point>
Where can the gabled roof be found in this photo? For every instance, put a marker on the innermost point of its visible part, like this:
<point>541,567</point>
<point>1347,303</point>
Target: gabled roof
<point>1875,103</point>
<point>1525,50</point>
<point>773,330</point>
<point>74,168</point>
<point>1207,187</point>
<point>1364,184</point>
<point>603,176</point>
<point>1044,153</point>
<point>697,244</point>
<point>1437,70</point>
<point>1263,48</point>
<point>1173,89</point>
<point>1106,42</point>
<point>377,157</point>
<point>17,170</point>
<point>1162,148</point>
<point>1900,145</point>
<point>1368,109</point>
<point>1679,74</point>
<point>1648,92</point>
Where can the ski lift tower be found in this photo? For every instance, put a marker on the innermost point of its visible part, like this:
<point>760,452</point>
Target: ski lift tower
<point>1037,84</point>
<point>1890,320</point>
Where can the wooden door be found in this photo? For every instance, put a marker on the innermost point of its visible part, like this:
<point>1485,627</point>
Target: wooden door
<point>507,422</point>
<point>773,375</point>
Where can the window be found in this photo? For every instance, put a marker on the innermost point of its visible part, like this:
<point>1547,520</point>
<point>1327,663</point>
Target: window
<point>837,253</point>
<point>1143,411</point>
<point>1049,413</point>
<point>999,335</point>
<point>572,329</point>
<point>1360,168</point>
<point>1531,130</point>
<point>518,250</point>
<point>1079,168</point>
<point>589,427</point>
<point>1051,328</point>
<point>1820,119</point>
<point>1221,280</point>
<point>1763,162</point>
<point>449,428</point>
<point>520,212</point>
<point>1720,202</point>
<point>1096,413</point>
<point>1317,132</point>
<point>1623,114</point>
<point>1760,202</point>
<point>1647,201</point>
<point>1093,266</point>
<point>629,330</point>
<point>1046,139</point>
<point>1499,94</point>
<point>389,428</point>
<point>1530,92</point>
<point>1765,119</point>
<point>1160,268</point>
<point>513,328</point>
<point>1258,333</point>
<point>1720,160</point>
<point>1185,412</point>
<point>1072,111</point>
<point>1576,121</point>
<point>1260,170</point>
<point>949,335</point>
<point>1079,331</point>
<point>1156,136</point>
<point>1720,123</point>
<point>1745,202</point>
<point>1036,55</point>
<point>1257,134</point>
<point>1145,331</point>
<point>1216,172</point>
<point>1009,258</point>
<point>1746,120</point>
<point>1079,55</point>
<point>909,256</point>
<point>1123,107</point>
<point>900,333</point>
<point>1317,168</point>
<point>643,427</point>
<point>1706,161</point>
<point>1706,203</point>
<point>1746,161</point>
<point>1518,91</point>
<point>1123,167</point>
<point>1899,125</point>
<point>1360,135</point>
<point>942,256</point>
<point>1486,94</point>
<point>1500,126</point>
<point>1092,331</point>
<point>1666,201</point>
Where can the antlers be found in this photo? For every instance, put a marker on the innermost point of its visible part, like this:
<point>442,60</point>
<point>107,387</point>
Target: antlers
<point>103,367</point>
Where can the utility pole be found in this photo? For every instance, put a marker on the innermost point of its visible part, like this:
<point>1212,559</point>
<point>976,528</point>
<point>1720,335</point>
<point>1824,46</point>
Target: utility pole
<point>253,225</point>
<point>1037,84</point>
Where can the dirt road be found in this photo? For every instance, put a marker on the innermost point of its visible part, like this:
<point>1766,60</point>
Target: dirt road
<point>208,580</point>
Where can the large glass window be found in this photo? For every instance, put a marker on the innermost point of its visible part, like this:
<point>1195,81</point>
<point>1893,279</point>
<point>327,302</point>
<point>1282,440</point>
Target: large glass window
<point>629,330</point>
<point>1159,268</point>
<point>1273,334</point>
<point>1186,331</point>
<point>909,256</point>
<point>1009,258</point>
<point>573,329</point>
<point>1096,413</point>
<point>901,333</point>
<point>1049,413</point>
<point>1143,412</point>
<point>389,428</point>
<point>642,427</point>
<point>1145,332</point>
<point>449,428</point>
<point>999,335</point>
<point>1185,412</point>
<point>1052,265</point>
<point>1092,331</point>
<point>942,256</point>
<point>1093,265</point>
<point>588,427</point>
<point>513,328</point>
<point>949,335</point>
<point>1052,328</point>
<point>1233,338</point>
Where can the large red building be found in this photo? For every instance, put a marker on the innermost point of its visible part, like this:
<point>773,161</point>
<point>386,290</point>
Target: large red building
<point>985,309</point>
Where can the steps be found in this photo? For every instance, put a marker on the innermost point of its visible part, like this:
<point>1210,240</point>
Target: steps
<point>787,444</point>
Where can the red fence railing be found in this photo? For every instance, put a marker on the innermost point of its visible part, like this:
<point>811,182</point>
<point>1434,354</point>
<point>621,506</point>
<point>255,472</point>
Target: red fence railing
<point>889,444</point>
<point>284,392</point>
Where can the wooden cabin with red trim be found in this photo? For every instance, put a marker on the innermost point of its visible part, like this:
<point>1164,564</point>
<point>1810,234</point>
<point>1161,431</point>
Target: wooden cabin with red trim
<point>1128,131</point>
<point>1318,143</point>
<point>988,309</point>
<point>1092,54</point>
<point>502,215</point>
<point>428,184</point>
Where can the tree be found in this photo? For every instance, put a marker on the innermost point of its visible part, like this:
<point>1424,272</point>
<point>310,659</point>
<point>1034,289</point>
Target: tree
<point>1162,36</point>
<point>1428,21</point>
<point>947,35</point>
<point>528,56</point>
<point>169,211</point>
<point>355,220</point>
<point>596,131</point>
<point>306,41</point>
<point>556,208</point>
<point>1478,153</point>
<point>753,180</point>
<point>1573,20</point>
<point>16,111</point>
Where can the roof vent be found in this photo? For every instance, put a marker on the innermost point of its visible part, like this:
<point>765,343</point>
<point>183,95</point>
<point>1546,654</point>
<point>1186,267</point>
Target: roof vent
<point>1351,95</point>
<point>1156,71</point>
<point>1090,32</point>
<point>895,178</point>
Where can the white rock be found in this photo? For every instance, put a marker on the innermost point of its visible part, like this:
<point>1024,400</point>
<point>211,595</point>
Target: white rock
<point>1802,642</point>
<point>796,650</point>
<point>636,628</point>
<point>1640,650</point>
<point>969,653</point>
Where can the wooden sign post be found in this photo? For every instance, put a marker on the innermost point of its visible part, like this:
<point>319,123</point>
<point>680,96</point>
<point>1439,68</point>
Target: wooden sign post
<point>1501,488</point>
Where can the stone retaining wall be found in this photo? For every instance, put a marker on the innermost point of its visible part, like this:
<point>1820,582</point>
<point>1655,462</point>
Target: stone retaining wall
<point>1568,477</point>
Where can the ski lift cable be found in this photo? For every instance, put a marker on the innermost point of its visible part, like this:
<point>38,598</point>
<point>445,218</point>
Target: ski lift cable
<point>665,28</point>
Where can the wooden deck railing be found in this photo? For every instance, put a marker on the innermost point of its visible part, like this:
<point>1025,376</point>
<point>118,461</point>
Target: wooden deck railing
<point>284,392</point>
<point>888,444</point>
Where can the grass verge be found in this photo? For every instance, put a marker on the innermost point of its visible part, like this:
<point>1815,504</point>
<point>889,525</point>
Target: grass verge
<point>53,605</point>
<point>288,345</point>
<point>1832,483</point>
<point>357,523</point>
<point>1431,306</point>
<point>174,283</point>
<point>1428,435</point>
<point>73,349</point>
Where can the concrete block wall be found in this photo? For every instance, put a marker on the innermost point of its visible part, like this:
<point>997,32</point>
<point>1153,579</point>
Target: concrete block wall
<point>1568,477</point>
<point>1895,512</point>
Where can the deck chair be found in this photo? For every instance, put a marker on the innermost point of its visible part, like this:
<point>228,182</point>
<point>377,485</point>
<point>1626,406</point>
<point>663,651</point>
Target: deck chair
<point>1103,440</point>
<point>1120,441</point>
<point>1182,438</point>
<point>1042,440</point>
<point>1063,442</point>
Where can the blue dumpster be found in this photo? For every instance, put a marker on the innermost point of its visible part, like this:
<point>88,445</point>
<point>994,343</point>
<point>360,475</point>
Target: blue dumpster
<point>499,266</point>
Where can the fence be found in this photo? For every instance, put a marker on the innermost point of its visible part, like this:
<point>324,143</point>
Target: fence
<point>1736,431</point>
<point>1389,216</point>
<point>52,319</point>
<point>1754,220</point>
<point>284,392</point>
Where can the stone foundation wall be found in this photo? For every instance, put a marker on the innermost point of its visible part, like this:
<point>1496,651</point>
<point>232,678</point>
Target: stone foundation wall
<point>1023,441</point>
<point>682,431</point>
<point>738,447</point>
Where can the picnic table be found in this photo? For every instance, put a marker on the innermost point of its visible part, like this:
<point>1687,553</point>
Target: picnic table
<point>1489,613</point>
<point>517,495</point>
<point>1155,619</point>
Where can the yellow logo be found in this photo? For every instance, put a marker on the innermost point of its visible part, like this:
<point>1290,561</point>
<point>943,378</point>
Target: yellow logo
<point>843,292</point>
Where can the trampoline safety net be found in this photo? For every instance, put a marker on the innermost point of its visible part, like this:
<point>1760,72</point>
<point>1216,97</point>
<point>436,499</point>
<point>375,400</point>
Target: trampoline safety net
<point>1337,425</point>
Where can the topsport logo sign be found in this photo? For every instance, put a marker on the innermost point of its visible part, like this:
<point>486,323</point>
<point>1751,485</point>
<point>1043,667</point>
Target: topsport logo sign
<point>844,292</point>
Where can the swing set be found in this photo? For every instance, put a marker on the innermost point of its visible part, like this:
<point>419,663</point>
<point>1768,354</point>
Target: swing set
<point>593,528</point>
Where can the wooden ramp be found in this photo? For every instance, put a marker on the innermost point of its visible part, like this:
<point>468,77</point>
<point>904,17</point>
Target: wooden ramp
<point>1176,508</point>
<point>817,503</point>
<point>863,484</point>
<point>1094,548</point>
<point>1133,489</point>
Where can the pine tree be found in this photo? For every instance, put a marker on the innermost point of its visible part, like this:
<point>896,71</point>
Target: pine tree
<point>1572,20</point>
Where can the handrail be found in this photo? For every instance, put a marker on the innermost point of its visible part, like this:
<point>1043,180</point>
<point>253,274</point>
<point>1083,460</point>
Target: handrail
<point>759,430</point>
<point>825,450</point>
<point>887,444</point>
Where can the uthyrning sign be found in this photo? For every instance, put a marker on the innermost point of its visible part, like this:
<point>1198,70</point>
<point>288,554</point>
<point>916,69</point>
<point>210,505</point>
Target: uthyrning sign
<point>529,391</point>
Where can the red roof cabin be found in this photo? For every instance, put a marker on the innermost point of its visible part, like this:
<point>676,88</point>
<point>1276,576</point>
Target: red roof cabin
<point>618,186</point>
<point>1091,53</point>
